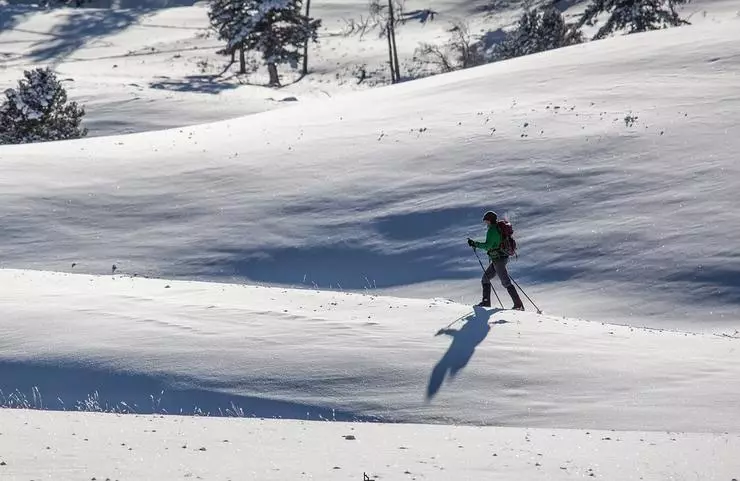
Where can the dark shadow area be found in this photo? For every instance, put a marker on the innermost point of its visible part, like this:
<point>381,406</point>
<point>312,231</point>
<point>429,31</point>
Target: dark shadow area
<point>204,84</point>
<point>492,7</point>
<point>563,5</point>
<point>424,245</point>
<point>721,283</point>
<point>80,28</point>
<point>139,4</point>
<point>85,25</point>
<point>423,225</point>
<point>11,15</point>
<point>391,251</point>
<point>119,4</point>
<point>349,267</point>
<point>464,342</point>
<point>72,388</point>
<point>492,37</point>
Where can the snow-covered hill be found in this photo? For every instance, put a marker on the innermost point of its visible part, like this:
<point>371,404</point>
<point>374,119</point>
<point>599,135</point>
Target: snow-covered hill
<point>152,64</point>
<point>615,160</point>
<point>139,345</point>
<point>304,354</point>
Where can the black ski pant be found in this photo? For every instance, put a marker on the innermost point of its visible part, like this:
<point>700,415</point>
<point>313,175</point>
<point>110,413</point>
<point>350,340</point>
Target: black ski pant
<point>497,266</point>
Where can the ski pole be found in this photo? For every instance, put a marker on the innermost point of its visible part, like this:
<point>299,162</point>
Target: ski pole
<point>539,311</point>
<point>441,331</point>
<point>484,273</point>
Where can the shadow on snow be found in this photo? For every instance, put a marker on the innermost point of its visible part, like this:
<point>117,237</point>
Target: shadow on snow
<point>417,247</point>
<point>72,388</point>
<point>80,28</point>
<point>207,84</point>
<point>464,341</point>
<point>13,14</point>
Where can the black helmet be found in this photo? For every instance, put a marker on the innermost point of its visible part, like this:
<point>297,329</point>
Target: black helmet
<point>490,216</point>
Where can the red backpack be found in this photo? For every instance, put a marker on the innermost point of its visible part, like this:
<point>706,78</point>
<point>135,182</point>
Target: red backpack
<point>508,244</point>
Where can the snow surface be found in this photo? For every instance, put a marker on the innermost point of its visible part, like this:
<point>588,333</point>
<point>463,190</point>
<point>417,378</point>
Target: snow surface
<point>42,445</point>
<point>615,160</point>
<point>151,64</point>
<point>146,68</point>
<point>340,356</point>
<point>617,221</point>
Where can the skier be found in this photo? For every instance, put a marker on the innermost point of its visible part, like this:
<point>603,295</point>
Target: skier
<point>499,258</point>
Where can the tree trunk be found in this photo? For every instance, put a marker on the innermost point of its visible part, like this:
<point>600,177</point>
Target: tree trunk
<point>242,61</point>
<point>274,78</point>
<point>231,62</point>
<point>393,40</point>
<point>305,46</point>
<point>390,54</point>
<point>395,57</point>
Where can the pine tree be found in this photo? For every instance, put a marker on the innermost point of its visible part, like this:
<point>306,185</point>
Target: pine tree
<point>64,3</point>
<point>38,111</point>
<point>276,29</point>
<point>538,31</point>
<point>632,16</point>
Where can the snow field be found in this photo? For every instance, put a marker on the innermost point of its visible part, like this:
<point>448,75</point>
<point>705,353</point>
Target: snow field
<point>43,445</point>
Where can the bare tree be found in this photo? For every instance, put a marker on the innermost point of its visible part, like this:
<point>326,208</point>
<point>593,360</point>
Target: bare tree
<point>460,51</point>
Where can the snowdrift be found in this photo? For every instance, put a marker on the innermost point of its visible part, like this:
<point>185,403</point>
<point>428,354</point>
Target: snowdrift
<point>118,342</point>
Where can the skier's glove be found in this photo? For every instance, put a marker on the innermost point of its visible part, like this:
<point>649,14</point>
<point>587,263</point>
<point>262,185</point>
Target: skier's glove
<point>471,243</point>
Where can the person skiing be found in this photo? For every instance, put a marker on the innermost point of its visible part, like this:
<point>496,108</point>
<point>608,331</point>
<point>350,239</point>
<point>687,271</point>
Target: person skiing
<point>498,260</point>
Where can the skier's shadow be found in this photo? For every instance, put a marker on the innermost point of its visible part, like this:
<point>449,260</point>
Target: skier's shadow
<point>464,342</point>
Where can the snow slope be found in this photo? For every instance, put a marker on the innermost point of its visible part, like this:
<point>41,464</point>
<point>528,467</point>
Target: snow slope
<point>145,67</point>
<point>615,159</point>
<point>152,64</point>
<point>141,345</point>
<point>302,354</point>
<point>39,445</point>
<point>617,221</point>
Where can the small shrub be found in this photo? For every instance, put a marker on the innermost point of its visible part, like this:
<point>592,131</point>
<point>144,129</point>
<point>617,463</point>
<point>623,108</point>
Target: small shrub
<point>38,111</point>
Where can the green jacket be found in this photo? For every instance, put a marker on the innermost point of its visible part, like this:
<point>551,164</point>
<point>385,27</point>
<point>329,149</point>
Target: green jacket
<point>492,245</point>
